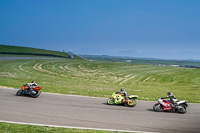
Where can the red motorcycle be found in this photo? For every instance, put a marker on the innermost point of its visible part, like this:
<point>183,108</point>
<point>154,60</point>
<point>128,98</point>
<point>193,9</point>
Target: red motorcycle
<point>166,105</point>
<point>35,92</point>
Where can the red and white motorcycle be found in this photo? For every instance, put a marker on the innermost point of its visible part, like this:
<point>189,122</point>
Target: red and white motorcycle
<point>166,105</point>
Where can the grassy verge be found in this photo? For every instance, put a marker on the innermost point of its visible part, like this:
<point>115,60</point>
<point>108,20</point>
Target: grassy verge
<point>20,128</point>
<point>101,79</point>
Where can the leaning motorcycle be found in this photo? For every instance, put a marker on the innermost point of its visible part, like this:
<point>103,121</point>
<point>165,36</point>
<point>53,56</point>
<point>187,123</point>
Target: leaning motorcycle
<point>27,91</point>
<point>118,98</point>
<point>166,105</point>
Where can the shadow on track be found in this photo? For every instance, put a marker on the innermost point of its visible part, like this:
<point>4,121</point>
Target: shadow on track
<point>161,111</point>
<point>150,110</point>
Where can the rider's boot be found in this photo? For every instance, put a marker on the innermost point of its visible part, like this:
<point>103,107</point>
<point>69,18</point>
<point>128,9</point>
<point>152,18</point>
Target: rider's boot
<point>123,101</point>
<point>173,106</point>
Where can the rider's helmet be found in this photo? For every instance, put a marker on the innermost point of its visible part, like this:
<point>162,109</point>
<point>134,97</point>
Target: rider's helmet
<point>33,82</point>
<point>122,89</point>
<point>170,94</point>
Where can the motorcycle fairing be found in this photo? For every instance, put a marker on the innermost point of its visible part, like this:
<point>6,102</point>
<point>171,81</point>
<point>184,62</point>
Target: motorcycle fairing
<point>118,99</point>
<point>133,96</point>
<point>182,101</point>
<point>37,88</point>
<point>165,104</point>
<point>24,87</point>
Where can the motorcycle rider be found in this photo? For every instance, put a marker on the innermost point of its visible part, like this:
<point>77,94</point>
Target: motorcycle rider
<point>123,92</point>
<point>172,99</point>
<point>31,85</point>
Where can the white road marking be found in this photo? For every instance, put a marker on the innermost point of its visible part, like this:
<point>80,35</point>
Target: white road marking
<point>100,129</point>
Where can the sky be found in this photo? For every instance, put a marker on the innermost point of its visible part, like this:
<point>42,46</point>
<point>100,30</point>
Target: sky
<point>167,29</point>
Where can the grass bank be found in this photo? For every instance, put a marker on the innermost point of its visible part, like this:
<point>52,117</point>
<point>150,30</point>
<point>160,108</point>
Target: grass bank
<point>20,128</point>
<point>101,79</point>
<point>10,51</point>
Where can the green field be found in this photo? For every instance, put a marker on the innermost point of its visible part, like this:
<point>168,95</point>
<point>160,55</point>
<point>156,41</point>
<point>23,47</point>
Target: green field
<point>97,78</point>
<point>101,79</point>
<point>19,128</point>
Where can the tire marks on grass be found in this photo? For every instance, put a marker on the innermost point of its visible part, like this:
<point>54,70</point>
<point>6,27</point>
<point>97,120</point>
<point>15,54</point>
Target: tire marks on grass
<point>147,79</point>
<point>127,78</point>
<point>38,67</point>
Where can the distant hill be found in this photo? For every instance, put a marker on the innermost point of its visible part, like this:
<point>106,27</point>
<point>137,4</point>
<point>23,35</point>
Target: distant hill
<point>7,50</point>
<point>150,61</point>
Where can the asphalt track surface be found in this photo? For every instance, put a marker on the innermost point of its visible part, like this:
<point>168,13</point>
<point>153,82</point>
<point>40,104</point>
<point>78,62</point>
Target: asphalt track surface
<point>90,112</point>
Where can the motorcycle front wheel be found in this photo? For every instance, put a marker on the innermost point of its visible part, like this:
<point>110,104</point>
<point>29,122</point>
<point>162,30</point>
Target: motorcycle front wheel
<point>157,107</point>
<point>19,93</point>
<point>110,101</point>
<point>35,95</point>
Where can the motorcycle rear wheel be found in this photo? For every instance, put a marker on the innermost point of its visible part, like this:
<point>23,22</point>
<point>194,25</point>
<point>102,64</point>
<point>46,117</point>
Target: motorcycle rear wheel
<point>157,108</point>
<point>110,101</point>
<point>182,109</point>
<point>35,95</point>
<point>132,103</point>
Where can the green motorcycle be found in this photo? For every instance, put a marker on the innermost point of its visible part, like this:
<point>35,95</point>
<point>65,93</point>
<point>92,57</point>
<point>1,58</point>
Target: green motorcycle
<point>118,98</point>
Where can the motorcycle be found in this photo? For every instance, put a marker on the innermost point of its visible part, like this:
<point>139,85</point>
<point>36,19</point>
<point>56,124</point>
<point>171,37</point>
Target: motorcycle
<point>118,98</point>
<point>27,91</point>
<point>166,105</point>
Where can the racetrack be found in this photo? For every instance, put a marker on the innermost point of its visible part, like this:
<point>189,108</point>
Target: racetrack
<point>90,112</point>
